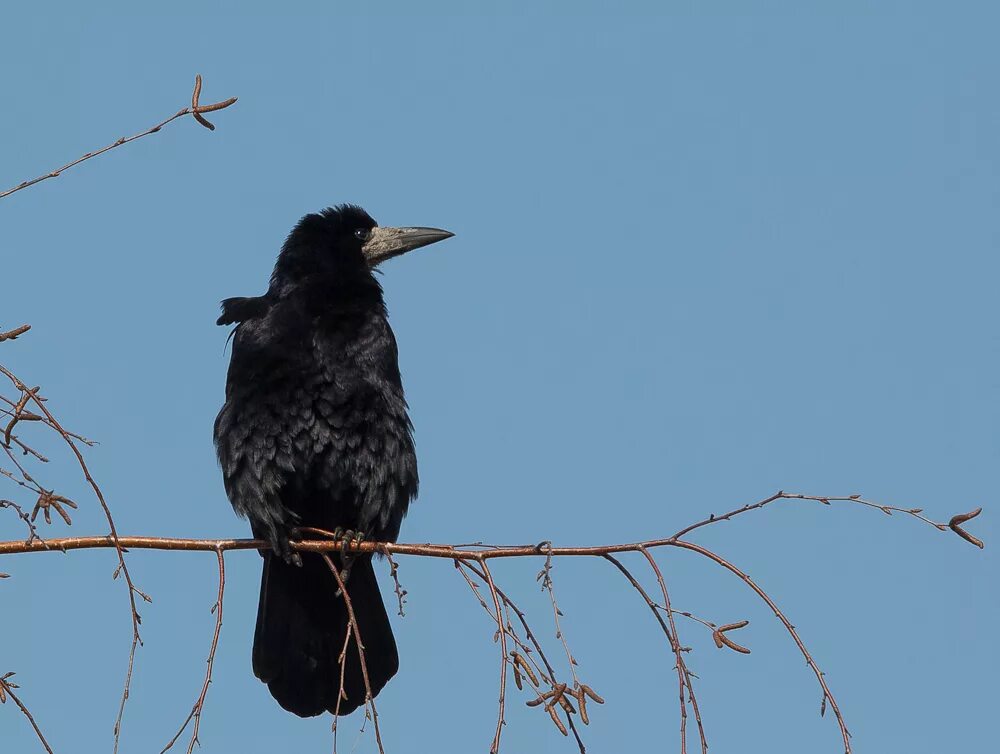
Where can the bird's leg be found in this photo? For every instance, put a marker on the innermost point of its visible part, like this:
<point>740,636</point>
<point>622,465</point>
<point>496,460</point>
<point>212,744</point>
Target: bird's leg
<point>347,537</point>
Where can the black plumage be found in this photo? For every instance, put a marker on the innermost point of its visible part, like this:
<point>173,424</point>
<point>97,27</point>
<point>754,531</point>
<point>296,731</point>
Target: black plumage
<point>314,433</point>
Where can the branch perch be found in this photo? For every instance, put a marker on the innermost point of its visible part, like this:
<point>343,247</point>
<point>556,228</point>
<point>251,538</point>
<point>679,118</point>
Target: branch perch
<point>475,556</point>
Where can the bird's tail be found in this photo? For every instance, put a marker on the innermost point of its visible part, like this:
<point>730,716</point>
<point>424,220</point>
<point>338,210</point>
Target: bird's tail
<point>302,625</point>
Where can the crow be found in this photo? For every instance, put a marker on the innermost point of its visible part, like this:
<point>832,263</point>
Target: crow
<point>314,432</point>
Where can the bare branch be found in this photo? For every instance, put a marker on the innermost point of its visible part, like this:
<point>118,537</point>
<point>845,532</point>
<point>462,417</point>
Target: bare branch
<point>495,746</point>
<point>47,500</point>
<point>827,694</point>
<point>462,552</point>
<point>7,687</point>
<point>394,572</point>
<point>353,623</point>
<point>684,676</point>
<point>474,557</point>
<point>199,704</point>
<point>28,521</point>
<point>519,661</point>
<point>196,110</point>
<point>682,669</point>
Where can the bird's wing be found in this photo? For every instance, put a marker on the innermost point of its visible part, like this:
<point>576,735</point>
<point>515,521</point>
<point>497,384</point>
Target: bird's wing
<point>252,436</point>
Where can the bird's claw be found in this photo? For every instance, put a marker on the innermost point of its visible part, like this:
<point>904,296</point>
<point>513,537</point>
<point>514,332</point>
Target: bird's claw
<point>282,547</point>
<point>347,537</point>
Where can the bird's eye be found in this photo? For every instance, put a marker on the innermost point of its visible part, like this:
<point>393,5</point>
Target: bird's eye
<point>362,234</point>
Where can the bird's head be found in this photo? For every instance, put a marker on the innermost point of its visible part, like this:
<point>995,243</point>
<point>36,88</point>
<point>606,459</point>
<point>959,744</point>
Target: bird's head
<point>343,243</point>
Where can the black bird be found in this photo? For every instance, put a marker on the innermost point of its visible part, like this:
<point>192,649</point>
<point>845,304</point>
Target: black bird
<point>314,433</point>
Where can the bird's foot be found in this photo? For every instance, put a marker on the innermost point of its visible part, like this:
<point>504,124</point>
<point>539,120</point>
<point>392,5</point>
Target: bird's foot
<point>282,547</point>
<point>347,537</point>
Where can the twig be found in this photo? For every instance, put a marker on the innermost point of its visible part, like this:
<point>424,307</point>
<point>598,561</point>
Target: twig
<point>825,500</point>
<point>521,661</point>
<point>394,572</point>
<point>682,669</point>
<point>549,676</point>
<point>341,695</point>
<point>353,621</point>
<point>827,694</point>
<point>467,552</point>
<point>25,449</point>
<point>196,110</point>
<point>18,414</point>
<point>32,531</point>
<point>199,705</point>
<point>495,746</point>
<point>7,689</point>
<point>122,568</point>
<point>684,676</point>
<point>470,555</point>
<point>501,635</point>
<point>4,399</point>
<point>545,576</point>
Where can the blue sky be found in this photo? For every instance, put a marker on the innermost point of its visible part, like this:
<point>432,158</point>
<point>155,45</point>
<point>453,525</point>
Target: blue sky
<point>702,254</point>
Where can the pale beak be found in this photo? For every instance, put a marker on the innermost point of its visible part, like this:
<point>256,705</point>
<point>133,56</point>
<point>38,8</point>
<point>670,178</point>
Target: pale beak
<point>385,243</point>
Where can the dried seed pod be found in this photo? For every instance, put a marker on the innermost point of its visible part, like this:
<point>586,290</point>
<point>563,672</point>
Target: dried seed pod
<point>556,720</point>
<point>557,692</point>
<point>957,521</point>
<point>734,646</point>
<point>566,704</point>
<point>526,667</point>
<point>591,693</point>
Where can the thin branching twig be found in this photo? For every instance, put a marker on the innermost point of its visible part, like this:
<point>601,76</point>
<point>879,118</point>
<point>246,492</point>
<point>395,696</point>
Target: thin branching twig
<point>7,687</point>
<point>474,558</point>
<point>199,705</point>
<point>196,109</point>
<point>353,624</point>
<point>122,568</point>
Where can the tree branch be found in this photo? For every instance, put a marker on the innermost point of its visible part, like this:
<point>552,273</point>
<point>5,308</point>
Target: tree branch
<point>195,713</point>
<point>470,556</point>
<point>196,110</point>
<point>7,687</point>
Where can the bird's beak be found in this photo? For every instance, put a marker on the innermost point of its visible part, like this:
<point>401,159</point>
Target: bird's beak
<point>385,243</point>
